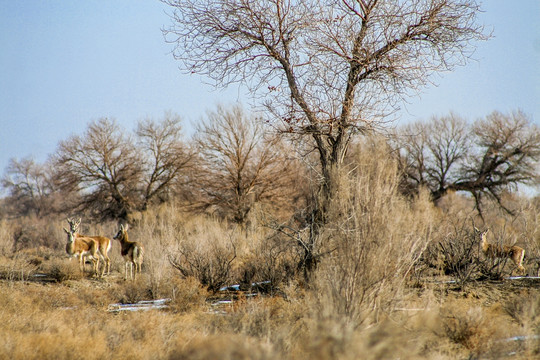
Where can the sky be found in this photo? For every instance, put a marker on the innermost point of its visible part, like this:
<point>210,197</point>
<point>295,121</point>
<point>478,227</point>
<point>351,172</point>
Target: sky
<point>66,63</point>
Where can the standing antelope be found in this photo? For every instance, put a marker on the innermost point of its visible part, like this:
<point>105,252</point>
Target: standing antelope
<point>132,252</point>
<point>493,251</point>
<point>104,244</point>
<point>83,248</point>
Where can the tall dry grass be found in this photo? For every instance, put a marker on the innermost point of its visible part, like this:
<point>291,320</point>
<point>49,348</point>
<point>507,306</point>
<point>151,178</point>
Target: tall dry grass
<point>373,239</point>
<point>359,305</point>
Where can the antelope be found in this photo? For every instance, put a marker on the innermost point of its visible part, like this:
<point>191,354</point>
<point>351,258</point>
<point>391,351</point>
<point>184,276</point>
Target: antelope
<point>104,244</point>
<point>132,252</point>
<point>494,251</point>
<point>83,247</point>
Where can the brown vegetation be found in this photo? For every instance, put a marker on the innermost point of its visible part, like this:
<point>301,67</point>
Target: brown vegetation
<point>379,290</point>
<point>344,257</point>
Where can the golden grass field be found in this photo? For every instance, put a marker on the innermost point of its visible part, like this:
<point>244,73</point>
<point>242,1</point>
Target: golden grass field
<point>397,279</point>
<point>49,310</point>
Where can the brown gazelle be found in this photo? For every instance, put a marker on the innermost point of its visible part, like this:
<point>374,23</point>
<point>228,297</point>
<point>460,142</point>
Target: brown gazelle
<point>496,251</point>
<point>132,252</point>
<point>104,244</point>
<point>83,248</point>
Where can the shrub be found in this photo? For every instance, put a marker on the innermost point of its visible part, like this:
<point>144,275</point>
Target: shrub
<point>206,254</point>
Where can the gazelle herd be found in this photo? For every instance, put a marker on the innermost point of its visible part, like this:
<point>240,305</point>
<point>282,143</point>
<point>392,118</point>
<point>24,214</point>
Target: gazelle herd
<point>96,248</point>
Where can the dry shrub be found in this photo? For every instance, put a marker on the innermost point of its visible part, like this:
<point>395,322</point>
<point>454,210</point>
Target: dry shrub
<point>30,232</point>
<point>130,292</point>
<point>207,253</point>
<point>385,340</point>
<point>16,268</point>
<point>6,237</point>
<point>187,294</point>
<point>373,239</point>
<point>470,327</point>
<point>62,270</point>
<point>223,347</point>
<point>271,264</point>
<point>524,309</point>
<point>459,251</point>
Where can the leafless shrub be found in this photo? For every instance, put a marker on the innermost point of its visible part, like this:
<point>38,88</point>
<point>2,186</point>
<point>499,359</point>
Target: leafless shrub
<point>130,292</point>
<point>459,251</point>
<point>61,270</point>
<point>206,256</point>
<point>471,328</point>
<point>16,268</point>
<point>274,261</point>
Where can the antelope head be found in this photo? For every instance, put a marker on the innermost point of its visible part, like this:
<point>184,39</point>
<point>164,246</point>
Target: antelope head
<point>74,224</point>
<point>70,237</point>
<point>120,234</point>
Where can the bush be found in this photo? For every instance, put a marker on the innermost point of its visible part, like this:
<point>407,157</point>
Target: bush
<point>207,254</point>
<point>61,270</point>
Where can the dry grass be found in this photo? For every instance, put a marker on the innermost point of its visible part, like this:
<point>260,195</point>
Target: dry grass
<point>360,303</point>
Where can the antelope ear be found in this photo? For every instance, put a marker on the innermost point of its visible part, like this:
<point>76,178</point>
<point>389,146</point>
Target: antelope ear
<point>79,221</point>
<point>127,227</point>
<point>67,232</point>
<point>121,227</point>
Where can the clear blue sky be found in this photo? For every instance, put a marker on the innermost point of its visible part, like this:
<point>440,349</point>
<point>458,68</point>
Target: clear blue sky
<point>65,63</point>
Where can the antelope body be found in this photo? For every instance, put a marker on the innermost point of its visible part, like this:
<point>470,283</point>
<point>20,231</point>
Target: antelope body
<point>494,251</point>
<point>83,248</point>
<point>104,244</point>
<point>131,251</point>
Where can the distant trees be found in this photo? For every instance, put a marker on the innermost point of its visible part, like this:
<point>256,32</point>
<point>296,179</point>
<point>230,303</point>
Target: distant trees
<point>104,166</point>
<point>117,173</point>
<point>167,158</point>
<point>229,165</point>
<point>30,187</point>
<point>483,158</point>
<point>241,164</point>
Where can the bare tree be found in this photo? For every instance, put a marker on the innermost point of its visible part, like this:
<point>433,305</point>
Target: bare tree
<point>433,152</point>
<point>484,158</point>
<point>166,157</point>
<point>103,165</point>
<point>325,69</point>
<point>30,187</point>
<point>241,165</point>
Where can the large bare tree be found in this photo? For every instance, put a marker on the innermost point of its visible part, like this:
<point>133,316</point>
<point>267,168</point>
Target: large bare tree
<point>484,158</point>
<point>324,69</point>
<point>327,69</point>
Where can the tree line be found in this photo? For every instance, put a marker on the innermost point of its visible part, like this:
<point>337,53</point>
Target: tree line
<point>108,173</point>
<point>233,164</point>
